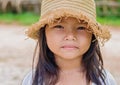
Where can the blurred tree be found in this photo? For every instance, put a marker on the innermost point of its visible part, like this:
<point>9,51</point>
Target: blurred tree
<point>0,6</point>
<point>108,7</point>
<point>18,6</point>
<point>11,5</point>
<point>32,5</point>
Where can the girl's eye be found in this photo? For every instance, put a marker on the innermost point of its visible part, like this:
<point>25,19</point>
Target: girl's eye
<point>81,28</point>
<point>58,26</point>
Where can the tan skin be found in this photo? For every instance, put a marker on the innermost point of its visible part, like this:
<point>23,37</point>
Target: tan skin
<point>69,40</point>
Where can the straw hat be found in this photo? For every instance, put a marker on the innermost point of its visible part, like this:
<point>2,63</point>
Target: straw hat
<point>51,10</point>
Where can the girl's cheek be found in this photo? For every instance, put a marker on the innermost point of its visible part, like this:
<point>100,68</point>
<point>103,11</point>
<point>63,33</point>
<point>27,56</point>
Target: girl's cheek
<point>59,32</point>
<point>85,36</point>
<point>81,34</point>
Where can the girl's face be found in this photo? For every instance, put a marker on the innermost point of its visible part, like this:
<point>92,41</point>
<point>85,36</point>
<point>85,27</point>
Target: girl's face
<point>68,39</point>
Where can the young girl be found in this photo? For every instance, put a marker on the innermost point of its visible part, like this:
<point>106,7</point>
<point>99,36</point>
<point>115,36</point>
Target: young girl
<point>68,38</point>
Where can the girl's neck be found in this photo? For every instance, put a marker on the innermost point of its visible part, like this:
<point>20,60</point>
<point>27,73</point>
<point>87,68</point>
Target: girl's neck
<point>70,65</point>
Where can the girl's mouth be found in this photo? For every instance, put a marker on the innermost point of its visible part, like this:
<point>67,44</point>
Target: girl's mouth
<point>69,47</point>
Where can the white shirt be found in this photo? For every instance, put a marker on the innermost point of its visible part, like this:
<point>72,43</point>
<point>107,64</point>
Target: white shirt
<point>109,79</point>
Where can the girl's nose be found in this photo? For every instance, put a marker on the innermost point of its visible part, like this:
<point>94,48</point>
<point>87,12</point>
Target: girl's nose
<point>70,36</point>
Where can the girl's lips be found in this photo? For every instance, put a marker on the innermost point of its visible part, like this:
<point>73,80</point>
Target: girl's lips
<point>69,47</point>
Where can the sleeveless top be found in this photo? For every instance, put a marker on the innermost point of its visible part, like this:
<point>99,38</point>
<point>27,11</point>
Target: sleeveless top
<point>109,79</point>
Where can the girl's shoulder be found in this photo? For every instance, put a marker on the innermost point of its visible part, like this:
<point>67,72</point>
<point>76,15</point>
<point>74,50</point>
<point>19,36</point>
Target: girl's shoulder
<point>28,79</point>
<point>109,78</point>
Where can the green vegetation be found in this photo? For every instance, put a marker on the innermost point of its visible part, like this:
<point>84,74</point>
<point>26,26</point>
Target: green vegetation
<point>110,20</point>
<point>30,18</point>
<point>23,18</point>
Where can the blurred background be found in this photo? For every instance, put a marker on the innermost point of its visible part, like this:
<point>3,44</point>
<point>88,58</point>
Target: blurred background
<point>16,50</point>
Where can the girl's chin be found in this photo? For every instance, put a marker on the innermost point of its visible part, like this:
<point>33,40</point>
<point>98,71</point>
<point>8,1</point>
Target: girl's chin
<point>69,57</point>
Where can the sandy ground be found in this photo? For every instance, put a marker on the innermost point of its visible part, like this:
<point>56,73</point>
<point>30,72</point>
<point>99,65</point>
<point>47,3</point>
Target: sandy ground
<point>16,54</point>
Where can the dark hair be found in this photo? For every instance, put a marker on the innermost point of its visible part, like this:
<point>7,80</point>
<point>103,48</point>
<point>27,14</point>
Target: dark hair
<point>47,71</point>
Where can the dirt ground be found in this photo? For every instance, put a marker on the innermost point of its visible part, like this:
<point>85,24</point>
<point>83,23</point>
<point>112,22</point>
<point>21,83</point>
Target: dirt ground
<point>16,53</point>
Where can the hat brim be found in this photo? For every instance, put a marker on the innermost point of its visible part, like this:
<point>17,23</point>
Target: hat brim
<point>100,32</point>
